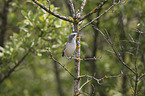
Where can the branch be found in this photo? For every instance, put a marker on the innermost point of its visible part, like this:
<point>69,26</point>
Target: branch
<point>94,10</point>
<point>107,38</point>
<point>129,41</point>
<point>85,59</point>
<point>137,49</point>
<point>51,12</point>
<point>120,52</point>
<point>84,84</point>
<point>140,31</point>
<point>72,9</point>
<point>136,81</point>
<point>89,78</point>
<point>98,80</point>
<point>51,57</point>
<point>97,17</point>
<point>82,7</point>
<point>13,69</point>
<point>142,75</point>
<point>130,84</point>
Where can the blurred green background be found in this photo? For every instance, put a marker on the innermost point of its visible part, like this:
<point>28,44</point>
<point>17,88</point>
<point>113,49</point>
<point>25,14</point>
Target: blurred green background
<point>27,32</point>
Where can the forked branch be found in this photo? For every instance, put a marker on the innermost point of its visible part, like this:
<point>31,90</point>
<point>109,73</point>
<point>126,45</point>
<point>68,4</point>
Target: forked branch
<point>117,54</point>
<point>51,57</point>
<point>94,10</point>
<point>99,16</point>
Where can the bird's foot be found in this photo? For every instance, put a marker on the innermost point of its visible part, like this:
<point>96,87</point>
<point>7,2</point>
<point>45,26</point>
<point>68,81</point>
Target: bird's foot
<point>70,57</point>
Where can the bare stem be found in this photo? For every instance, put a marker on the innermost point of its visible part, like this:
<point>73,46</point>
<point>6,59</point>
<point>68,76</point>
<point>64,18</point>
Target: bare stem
<point>87,59</point>
<point>141,76</point>
<point>97,17</point>
<point>94,10</point>
<point>11,70</point>
<point>77,63</point>
<point>98,80</point>
<point>82,6</point>
<point>136,80</point>
<point>84,84</point>
<point>72,9</point>
<point>51,57</point>
<point>130,84</point>
<point>117,54</point>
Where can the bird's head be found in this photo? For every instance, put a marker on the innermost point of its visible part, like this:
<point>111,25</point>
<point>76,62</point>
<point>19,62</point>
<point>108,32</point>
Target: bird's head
<point>71,36</point>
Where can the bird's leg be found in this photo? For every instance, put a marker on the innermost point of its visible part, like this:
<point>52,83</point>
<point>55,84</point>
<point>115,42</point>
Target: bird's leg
<point>73,57</point>
<point>68,57</point>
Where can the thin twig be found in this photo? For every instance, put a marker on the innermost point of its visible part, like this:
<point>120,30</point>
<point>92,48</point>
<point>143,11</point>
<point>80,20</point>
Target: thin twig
<point>72,9</point>
<point>120,52</point>
<point>139,31</point>
<point>98,80</point>
<point>51,57</point>
<point>86,59</point>
<point>117,54</point>
<point>130,84</point>
<point>82,6</point>
<point>137,50</point>
<point>97,17</point>
<point>127,53</point>
<point>142,75</point>
<point>130,41</point>
<point>11,70</point>
<point>92,77</point>
<point>51,12</point>
<point>113,76</point>
<point>94,10</point>
<point>84,84</point>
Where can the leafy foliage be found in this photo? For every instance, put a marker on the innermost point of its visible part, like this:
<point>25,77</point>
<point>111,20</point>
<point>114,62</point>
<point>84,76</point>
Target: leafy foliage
<point>32,30</point>
<point>38,31</point>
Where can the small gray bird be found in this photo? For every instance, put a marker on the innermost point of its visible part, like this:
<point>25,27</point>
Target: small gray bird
<point>70,46</point>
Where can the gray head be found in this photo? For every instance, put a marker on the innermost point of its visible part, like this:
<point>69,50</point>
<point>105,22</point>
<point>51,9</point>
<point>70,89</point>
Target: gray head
<point>71,36</point>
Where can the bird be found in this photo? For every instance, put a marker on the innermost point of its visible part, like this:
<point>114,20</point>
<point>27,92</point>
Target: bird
<point>70,46</point>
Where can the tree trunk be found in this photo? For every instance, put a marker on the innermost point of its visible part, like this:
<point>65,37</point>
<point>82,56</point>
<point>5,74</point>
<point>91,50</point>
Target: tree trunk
<point>4,22</point>
<point>3,17</point>
<point>59,87</point>
<point>77,63</point>
<point>122,37</point>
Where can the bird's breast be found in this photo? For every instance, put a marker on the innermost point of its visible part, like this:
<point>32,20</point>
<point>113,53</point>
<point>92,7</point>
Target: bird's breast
<point>70,48</point>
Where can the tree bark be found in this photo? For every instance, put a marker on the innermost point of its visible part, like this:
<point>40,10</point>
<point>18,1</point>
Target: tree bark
<point>77,63</point>
<point>75,29</point>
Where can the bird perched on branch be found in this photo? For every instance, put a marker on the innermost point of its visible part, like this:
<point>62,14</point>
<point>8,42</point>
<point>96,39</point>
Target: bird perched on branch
<point>70,46</point>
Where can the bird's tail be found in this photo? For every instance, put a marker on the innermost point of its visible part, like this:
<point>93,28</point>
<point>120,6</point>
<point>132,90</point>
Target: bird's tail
<point>63,54</point>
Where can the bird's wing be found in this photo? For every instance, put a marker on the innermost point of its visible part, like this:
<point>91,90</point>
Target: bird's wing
<point>64,49</point>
